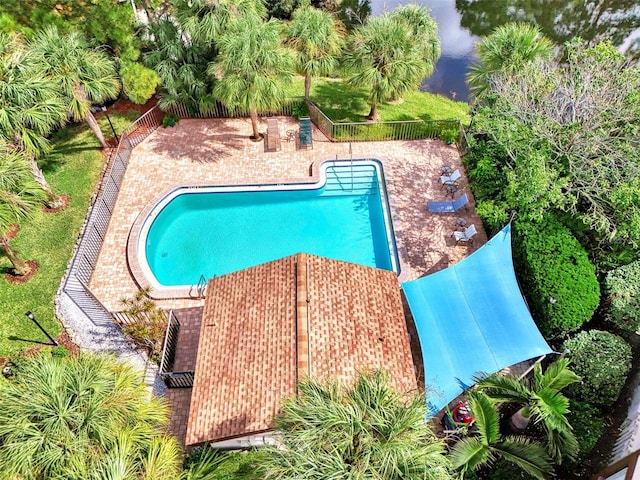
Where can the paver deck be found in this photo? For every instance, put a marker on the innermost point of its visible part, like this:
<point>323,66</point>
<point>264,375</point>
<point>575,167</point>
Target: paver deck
<point>219,151</point>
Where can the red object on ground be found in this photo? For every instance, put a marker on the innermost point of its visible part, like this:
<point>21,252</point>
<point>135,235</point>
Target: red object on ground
<point>461,413</point>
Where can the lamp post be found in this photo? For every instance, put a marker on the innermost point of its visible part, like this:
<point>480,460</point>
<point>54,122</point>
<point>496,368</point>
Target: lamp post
<point>104,109</point>
<point>30,316</point>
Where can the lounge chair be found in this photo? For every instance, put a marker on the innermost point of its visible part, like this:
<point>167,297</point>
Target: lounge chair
<point>306,140</point>
<point>450,179</point>
<point>448,207</point>
<point>273,135</point>
<point>466,235</point>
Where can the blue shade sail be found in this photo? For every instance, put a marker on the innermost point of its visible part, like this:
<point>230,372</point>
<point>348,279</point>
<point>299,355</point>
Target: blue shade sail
<point>472,320</point>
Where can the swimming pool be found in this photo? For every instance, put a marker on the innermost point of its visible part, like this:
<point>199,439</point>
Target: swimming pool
<point>211,231</point>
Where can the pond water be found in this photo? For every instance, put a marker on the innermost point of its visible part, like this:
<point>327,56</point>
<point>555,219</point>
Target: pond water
<point>462,22</point>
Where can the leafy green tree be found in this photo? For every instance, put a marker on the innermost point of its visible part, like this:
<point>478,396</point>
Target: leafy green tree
<point>83,417</point>
<point>488,444</point>
<point>253,67</point>
<point>506,51</point>
<point>20,194</point>
<point>365,431</point>
<point>569,131</point>
<point>317,39</point>
<point>82,75</point>
<point>182,67</point>
<point>104,21</point>
<point>542,402</point>
<point>387,56</point>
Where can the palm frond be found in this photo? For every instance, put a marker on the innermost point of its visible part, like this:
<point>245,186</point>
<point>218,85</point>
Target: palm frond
<point>530,456</point>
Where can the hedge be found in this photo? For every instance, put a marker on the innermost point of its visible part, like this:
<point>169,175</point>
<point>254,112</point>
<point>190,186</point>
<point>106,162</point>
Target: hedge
<point>603,360</point>
<point>558,279</point>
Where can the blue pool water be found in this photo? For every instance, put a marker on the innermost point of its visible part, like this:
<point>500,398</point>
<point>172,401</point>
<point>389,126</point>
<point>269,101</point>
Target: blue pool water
<point>211,233</point>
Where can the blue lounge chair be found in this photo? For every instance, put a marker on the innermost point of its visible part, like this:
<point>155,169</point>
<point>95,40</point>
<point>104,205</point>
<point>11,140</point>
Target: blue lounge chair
<point>306,139</point>
<point>448,207</point>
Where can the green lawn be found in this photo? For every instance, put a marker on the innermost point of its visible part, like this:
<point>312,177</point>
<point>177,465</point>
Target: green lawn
<point>73,167</point>
<point>344,104</point>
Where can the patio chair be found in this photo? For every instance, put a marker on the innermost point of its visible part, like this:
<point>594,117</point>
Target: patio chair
<point>306,139</point>
<point>448,207</point>
<point>451,179</point>
<point>466,236</point>
<point>273,135</point>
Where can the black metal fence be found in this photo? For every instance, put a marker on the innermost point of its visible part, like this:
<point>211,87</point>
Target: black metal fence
<point>85,257</point>
<point>293,106</point>
<point>448,130</point>
<point>173,379</point>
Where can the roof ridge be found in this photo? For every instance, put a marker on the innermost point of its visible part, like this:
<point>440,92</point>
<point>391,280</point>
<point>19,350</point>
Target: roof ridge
<point>303,350</point>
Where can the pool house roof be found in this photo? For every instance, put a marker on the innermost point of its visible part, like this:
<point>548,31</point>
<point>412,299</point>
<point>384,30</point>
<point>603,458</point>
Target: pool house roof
<point>267,327</point>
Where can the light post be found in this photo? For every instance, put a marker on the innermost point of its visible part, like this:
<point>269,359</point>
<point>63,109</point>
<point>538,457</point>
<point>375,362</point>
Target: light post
<point>30,316</point>
<point>104,109</point>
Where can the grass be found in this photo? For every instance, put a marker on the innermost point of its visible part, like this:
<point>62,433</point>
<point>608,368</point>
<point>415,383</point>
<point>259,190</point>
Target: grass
<point>342,103</point>
<point>72,168</point>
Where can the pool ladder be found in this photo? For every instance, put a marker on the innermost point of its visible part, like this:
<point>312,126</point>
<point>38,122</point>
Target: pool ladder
<point>202,286</point>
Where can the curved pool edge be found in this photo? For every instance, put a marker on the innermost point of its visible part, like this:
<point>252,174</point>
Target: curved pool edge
<point>145,279</point>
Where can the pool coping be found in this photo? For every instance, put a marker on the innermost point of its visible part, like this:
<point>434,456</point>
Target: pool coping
<point>140,277</point>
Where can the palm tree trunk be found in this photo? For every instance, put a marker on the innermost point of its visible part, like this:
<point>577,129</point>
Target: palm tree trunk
<point>254,124</point>
<point>53,200</point>
<point>307,86</point>
<point>520,419</point>
<point>372,112</point>
<point>20,267</point>
<point>93,124</point>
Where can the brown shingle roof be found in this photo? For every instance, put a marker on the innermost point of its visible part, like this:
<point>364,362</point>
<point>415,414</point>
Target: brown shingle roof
<point>265,327</point>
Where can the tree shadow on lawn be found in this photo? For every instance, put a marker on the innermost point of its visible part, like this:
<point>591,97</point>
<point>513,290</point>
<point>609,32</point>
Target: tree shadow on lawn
<point>340,102</point>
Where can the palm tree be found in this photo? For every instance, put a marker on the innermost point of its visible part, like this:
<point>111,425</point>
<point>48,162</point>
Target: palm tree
<point>506,51</point>
<point>205,20</point>
<point>20,194</point>
<point>387,57</point>
<point>253,68</point>
<point>31,106</point>
<point>366,431</point>
<point>82,75</point>
<point>474,452</point>
<point>182,66</point>
<point>424,30</point>
<point>83,417</point>
<point>542,402</point>
<point>316,37</point>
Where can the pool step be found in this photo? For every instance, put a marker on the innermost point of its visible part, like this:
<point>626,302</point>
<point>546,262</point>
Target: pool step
<point>356,180</point>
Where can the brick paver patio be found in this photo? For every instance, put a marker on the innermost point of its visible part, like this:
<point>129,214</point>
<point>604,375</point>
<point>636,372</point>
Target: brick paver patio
<point>219,152</point>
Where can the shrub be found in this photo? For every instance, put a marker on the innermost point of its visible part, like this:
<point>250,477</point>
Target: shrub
<point>493,214</point>
<point>146,323</point>
<point>59,351</point>
<point>588,427</point>
<point>170,120</point>
<point>622,287</point>
<point>138,82</point>
<point>603,360</point>
<point>557,277</point>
